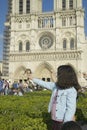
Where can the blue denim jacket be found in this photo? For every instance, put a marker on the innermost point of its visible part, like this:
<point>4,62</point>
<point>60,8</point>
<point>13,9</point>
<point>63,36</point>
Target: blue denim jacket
<point>66,100</point>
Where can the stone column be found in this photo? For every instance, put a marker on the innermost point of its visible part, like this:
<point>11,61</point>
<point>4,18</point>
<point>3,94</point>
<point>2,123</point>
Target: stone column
<point>79,3</point>
<point>16,6</point>
<point>24,6</point>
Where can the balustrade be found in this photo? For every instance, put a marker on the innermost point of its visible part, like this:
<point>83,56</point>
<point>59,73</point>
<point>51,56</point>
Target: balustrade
<point>42,56</point>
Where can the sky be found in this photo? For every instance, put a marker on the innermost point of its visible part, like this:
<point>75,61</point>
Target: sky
<point>46,4</point>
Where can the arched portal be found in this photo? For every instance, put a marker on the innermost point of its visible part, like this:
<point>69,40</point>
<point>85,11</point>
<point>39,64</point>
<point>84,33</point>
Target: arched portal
<point>19,73</point>
<point>43,71</point>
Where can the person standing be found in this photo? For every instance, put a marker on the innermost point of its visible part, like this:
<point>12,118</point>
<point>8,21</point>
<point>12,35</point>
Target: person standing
<point>62,105</point>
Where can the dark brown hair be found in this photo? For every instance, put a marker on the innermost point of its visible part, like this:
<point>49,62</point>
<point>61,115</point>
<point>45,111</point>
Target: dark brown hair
<point>71,125</point>
<point>66,77</point>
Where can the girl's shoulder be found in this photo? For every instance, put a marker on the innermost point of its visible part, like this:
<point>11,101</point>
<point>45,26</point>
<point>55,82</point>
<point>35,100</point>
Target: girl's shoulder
<point>71,90</point>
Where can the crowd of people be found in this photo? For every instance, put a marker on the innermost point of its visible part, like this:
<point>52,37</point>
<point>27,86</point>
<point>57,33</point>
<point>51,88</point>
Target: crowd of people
<point>16,88</point>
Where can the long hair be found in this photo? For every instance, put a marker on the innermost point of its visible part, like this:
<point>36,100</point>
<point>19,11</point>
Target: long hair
<point>66,77</point>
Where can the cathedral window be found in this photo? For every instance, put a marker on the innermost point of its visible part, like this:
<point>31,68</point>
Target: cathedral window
<point>45,42</point>
<point>71,4</point>
<point>28,6</point>
<point>64,44</point>
<point>63,4</point>
<point>20,6</point>
<point>20,46</point>
<point>27,46</point>
<point>71,20</point>
<point>72,44</point>
<point>63,21</point>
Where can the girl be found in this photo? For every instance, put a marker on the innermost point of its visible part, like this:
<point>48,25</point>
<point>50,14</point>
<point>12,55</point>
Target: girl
<point>62,105</point>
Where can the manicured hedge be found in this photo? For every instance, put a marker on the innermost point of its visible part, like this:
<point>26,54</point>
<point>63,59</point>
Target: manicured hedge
<point>29,112</point>
<point>81,113</point>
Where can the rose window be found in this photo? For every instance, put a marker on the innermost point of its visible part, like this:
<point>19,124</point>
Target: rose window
<point>45,42</point>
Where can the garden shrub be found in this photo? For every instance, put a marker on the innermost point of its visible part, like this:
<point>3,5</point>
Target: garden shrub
<point>29,112</point>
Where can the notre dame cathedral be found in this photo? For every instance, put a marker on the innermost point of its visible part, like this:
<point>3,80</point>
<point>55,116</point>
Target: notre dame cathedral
<point>42,41</point>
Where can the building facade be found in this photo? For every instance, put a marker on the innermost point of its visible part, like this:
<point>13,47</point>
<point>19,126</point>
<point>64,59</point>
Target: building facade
<point>42,41</point>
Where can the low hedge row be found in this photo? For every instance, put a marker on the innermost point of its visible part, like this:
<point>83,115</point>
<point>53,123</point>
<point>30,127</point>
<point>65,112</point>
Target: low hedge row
<point>29,112</point>
<point>81,113</point>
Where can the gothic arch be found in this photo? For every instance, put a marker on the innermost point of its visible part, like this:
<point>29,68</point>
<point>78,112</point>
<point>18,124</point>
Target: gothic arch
<point>44,70</point>
<point>19,73</point>
<point>68,35</point>
<point>23,37</point>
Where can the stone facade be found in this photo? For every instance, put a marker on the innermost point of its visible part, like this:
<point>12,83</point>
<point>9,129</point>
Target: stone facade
<point>42,41</point>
